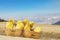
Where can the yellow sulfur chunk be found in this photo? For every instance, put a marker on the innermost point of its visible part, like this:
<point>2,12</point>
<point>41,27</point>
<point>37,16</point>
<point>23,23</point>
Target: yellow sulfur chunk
<point>19,25</point>
<point>27,26</point>
<point>10,23</point>
<point>37,29</point>
<point>25,21</point>
<point>31,24</point>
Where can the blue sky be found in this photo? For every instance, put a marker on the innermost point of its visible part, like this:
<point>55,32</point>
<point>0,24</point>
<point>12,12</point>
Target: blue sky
<point>16,8</point>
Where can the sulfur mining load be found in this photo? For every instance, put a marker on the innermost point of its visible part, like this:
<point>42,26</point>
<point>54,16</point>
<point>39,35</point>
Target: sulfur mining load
<point>9,27</point>
<point>19,28</point>
<point>37,32</point>
<point>27,31</point>
<point>22,28</point>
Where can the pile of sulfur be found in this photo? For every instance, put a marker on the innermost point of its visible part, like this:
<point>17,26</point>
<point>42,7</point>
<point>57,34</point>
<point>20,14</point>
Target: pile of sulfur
<point>22,28</point>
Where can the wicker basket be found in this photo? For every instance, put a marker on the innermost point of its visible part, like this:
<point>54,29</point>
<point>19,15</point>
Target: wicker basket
<point>27,34</point>
<point>36,35</point>
<point>9,32</point>
<point>18,32</point>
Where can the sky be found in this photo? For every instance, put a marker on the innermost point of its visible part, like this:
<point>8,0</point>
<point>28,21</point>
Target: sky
<point>17,8</point>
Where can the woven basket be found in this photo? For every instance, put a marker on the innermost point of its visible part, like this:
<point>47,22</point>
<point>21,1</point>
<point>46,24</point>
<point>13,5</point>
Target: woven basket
<point>27,34</point>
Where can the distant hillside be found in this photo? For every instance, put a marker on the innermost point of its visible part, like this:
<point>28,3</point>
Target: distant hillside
<point>2,20</point>
<point>57,23</point>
